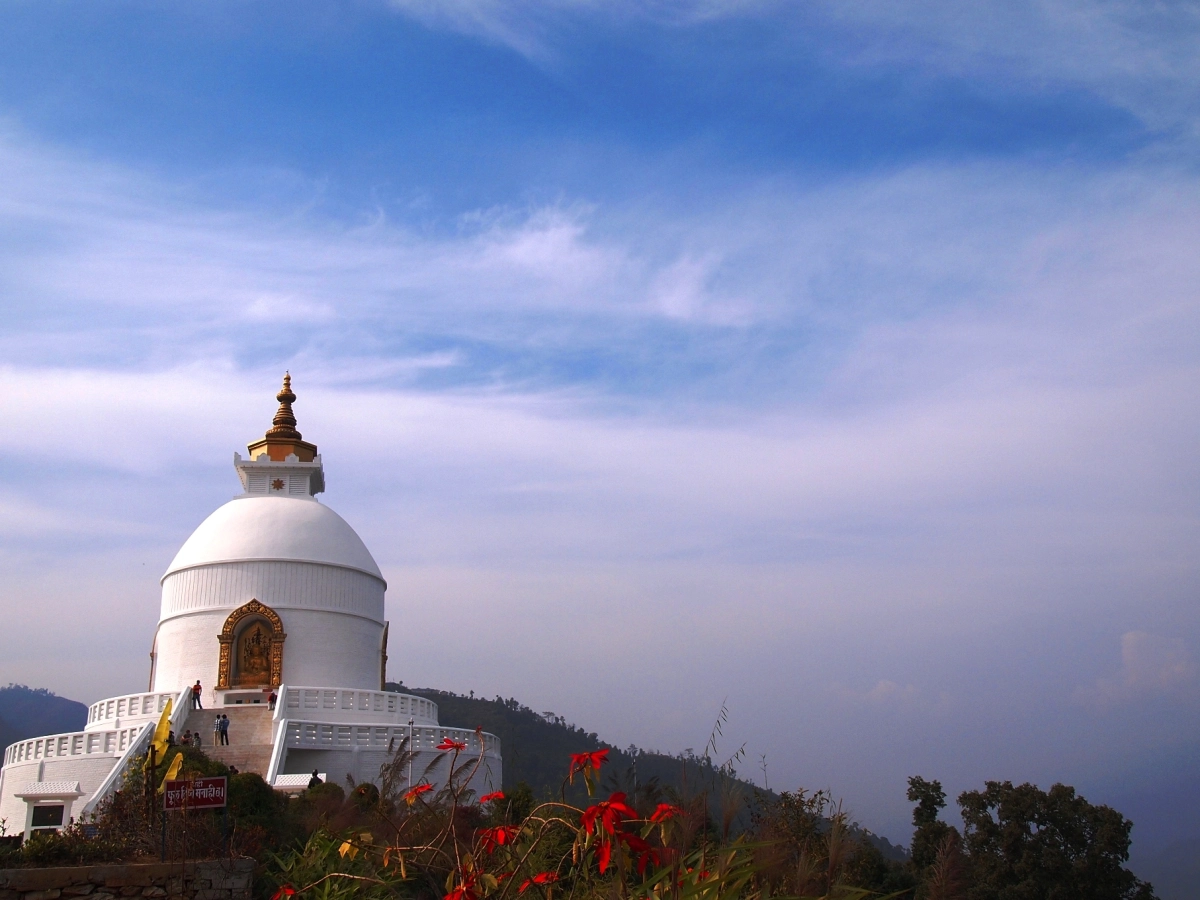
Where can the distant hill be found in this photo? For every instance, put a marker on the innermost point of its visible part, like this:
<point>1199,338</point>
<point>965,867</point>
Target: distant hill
<point>537,747</point>
<point>27,712</point>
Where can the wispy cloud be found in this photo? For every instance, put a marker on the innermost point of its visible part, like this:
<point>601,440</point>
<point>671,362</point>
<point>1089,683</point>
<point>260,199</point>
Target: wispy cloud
<point>1138,56</point>
<point>889,430</point>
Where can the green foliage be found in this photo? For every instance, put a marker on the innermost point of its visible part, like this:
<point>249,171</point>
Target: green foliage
<point>1024,842</point>
<point>254,804</point>
<point>365,795</point>
<point>424,843</point>
<point>70,847</point>
<point>929,832</point>
<point>327,794</point>
<point>810,847</point>
<point>516,806</point>
<point>328,873</point>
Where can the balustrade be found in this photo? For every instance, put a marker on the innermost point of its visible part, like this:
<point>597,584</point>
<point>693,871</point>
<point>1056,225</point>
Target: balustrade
<point>80,743</point>
<point>357,704</point>
<point>321,735</point>
<point>130,706</point>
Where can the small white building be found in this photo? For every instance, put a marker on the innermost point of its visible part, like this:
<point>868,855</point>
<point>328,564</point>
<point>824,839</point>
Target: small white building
<point>273,595</point>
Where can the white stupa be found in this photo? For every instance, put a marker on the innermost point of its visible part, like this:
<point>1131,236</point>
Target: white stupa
<point>273,595</point>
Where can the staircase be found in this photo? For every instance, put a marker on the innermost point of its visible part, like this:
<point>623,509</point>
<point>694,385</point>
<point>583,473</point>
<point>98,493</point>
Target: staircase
<point>249,736</point>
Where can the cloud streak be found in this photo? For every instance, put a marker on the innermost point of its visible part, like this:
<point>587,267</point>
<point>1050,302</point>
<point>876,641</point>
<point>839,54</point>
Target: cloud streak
<point>855,447</point>
<point>1139,57</point>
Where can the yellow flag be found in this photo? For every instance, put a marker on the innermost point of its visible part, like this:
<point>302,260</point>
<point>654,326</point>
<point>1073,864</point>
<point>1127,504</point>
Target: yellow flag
<point>161,732</point>
<point>172,771</point>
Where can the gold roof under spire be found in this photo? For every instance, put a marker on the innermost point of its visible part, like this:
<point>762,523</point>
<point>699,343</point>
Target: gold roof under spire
<point>282,439</point>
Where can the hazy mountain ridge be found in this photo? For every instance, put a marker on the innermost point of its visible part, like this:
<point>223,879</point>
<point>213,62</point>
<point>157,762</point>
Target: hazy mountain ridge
<point>537,747</point>
<point>27,712</point>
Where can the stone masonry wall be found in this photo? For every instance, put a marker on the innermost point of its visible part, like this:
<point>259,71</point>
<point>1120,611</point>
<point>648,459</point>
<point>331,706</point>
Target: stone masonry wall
<point>211,880</point>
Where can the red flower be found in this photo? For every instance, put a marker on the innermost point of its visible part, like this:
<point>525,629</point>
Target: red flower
<point>609,813</point>
<point>448,744</point>
<point>540,878</point>
<point>284,892</point>
<point>587,762</point>
<point>411,795</point>
<point>494,795</point>
<point>665,811</point>
<point>491,838</point>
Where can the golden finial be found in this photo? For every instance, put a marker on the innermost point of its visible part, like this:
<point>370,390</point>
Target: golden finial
<point>284,423</point>
<point>282,439</point>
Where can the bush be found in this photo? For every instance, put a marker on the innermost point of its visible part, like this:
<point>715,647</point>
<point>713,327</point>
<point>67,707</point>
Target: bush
<point>71,847</point>
<point>365,796</point>
<point>419,841</point>
<point>325,794</point>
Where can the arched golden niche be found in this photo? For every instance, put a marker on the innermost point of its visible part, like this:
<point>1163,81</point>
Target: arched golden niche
<point>251,648</point>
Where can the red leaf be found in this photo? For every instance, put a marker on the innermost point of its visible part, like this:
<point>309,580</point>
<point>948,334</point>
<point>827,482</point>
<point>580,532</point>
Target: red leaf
<point>491,838</point>
<point>604,855</point>
<point>665,811</point>
<point>645,853</point>
<point>650,856</point>
<point>540,878</point>
<point>581,762</point>
<point>494,795</point>
<point>410,796</point>
<point>465,891</point>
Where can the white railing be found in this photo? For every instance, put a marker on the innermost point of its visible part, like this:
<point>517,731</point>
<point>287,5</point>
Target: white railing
<point>354,706</point>
<point>135,749</point>
<point>142,707</point>
<point>78,743</point>
<point>328,736</point>
<point>295,783</point>
<point>278,749</point>
<point>179,714</point>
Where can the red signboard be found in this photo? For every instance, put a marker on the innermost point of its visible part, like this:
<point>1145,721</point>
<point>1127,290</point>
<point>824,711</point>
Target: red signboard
<point>199,793</point>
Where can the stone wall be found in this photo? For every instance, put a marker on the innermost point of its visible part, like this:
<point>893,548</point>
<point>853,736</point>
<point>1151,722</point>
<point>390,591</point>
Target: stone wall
<point>219,879</point>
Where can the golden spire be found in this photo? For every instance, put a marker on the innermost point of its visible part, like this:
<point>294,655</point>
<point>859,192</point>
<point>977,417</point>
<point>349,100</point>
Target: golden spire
<point>282,439</point>
<point>284,423</point>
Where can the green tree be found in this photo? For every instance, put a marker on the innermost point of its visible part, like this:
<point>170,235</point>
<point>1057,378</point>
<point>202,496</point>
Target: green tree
<point>929,832</point>
<point>1027,844</point>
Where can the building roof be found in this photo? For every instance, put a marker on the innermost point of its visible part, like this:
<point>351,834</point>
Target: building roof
<point>274,528</point>
<point>36,789</point>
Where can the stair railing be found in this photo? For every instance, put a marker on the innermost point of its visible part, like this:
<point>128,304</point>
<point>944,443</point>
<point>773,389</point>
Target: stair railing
<point>136,748</point>
<point>278,734</point>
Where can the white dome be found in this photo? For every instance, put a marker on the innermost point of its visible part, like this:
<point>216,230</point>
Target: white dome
<point>275,528</point>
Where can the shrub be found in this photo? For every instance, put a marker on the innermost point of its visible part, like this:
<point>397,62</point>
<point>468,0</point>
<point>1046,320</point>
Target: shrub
<point>71,847</point>
<point>418,841</point>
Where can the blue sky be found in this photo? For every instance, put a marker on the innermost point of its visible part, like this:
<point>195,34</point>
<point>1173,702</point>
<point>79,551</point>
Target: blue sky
<point>838,359</point>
